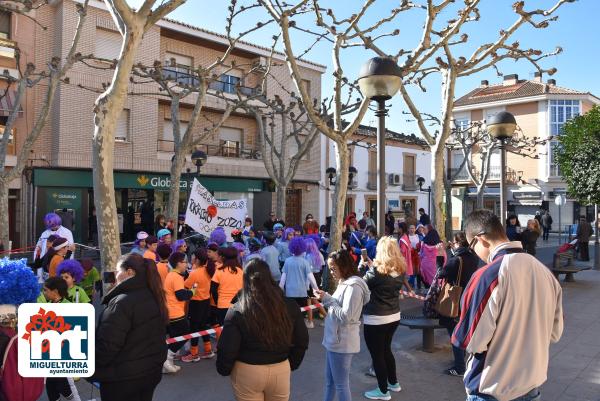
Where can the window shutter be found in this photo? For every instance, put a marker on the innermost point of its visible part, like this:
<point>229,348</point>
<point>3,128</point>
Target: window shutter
<point>122,130</point>
<point>230,134</point>
<point>168,130</point>
<point>108,44</point>
<point>5,24</point>
<point>179,59</point>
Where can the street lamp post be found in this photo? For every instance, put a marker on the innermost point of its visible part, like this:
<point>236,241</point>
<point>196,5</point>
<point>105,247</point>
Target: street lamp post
<point>379,80</point>
<point>502,126</point>
<point>198,159</point>
<point>420,182</point>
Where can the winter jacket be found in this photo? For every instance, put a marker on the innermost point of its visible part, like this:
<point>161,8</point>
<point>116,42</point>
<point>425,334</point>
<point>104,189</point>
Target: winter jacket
<point>385,293</point>
<point>529,239</point>
<point>512,233</point>
<point>343,315</point>
<point>449,270</point>
<point>584,231</point>
<point>370,246</point>
<point>547,221</point>
<point>238,344</point>
<point>130,335</point>
<point>407,250</point>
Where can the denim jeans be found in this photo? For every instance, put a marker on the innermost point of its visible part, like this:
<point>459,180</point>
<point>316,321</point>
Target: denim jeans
<point>459,353</point>
<point>533,395</point>
<point>337,376</point>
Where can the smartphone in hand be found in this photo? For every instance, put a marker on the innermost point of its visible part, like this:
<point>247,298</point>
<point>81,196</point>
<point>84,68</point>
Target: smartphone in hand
<point>363,254</point>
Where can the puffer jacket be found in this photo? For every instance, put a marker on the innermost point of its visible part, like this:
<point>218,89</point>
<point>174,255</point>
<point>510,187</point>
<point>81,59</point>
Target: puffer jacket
<point>130,335</point>
<point>343,315</point>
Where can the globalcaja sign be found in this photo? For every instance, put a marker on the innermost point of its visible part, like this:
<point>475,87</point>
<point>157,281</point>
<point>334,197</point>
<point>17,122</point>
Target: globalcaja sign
<point>56,340</point>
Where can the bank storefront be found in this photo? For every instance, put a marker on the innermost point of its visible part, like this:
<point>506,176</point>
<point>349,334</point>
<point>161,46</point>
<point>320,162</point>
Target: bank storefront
<point>139,197</point>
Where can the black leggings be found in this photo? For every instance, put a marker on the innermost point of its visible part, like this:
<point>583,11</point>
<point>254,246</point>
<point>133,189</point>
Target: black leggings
<point>178,327</point>
<point>57,386</point>
<point>141,389</point>
<point>198,312</point>
<point>379,343</point>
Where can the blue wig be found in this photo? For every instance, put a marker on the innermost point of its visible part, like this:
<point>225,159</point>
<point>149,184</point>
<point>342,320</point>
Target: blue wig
<point>18,284</point>
<point>287,232</point>
<point>71,267</point>
<point>297,246</point>
<point>52,221</point>
<point>218,236</point>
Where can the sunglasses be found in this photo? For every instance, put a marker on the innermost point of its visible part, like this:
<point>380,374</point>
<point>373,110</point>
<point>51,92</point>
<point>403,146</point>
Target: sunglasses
<point>474,240</point>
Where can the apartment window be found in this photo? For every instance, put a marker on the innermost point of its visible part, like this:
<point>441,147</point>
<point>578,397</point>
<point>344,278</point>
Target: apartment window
<point>122,130</point>
<point>230,141</point>
<point>168,130</point>
<point>5,24</point>
<point>306,84</point>
<point>561,111</point>
<point>10,148</point>
<point>108,44</point>
<point>462,124</point>
<point>230,83</point>
<point>178,68</point>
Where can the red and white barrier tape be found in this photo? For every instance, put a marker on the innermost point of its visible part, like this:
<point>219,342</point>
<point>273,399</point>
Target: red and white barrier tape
<point>412,295</point>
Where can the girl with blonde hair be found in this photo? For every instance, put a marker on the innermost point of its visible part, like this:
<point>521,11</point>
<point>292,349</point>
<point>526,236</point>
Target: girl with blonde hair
<point>530,235</point>
<point>385,278</point>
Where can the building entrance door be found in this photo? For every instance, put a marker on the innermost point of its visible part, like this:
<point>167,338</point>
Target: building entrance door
<point>293,207</point>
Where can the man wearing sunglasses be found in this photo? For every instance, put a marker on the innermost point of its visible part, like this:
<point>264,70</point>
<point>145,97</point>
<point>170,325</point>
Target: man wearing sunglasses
<point>511,311</point>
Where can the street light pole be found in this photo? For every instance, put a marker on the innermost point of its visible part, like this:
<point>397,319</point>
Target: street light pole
<point>502,180</point>
<point>381,114</point>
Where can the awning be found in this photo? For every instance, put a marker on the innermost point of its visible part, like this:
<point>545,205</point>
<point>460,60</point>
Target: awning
<point>7,101</point>
<point>526,202</point>
<point>487,191</point>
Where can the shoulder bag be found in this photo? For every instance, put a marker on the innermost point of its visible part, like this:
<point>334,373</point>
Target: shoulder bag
<point>448,302</point>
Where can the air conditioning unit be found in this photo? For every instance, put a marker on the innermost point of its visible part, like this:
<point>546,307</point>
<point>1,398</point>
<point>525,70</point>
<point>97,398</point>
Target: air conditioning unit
<point>394,179</point>
<point>455,191</point>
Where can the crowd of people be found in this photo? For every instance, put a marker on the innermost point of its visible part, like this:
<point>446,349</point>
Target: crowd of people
<point>249,290</point>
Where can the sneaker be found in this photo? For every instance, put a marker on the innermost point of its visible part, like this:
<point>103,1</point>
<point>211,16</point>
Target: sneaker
<point>394,387</point>
<point>207,355</point>
<point>169,367</point>
<point>179,357</point>
<point>310,325</point>
<point>454,372</point>
<point>370,372</point>
<point>190,358</point>
<point>377,395</point>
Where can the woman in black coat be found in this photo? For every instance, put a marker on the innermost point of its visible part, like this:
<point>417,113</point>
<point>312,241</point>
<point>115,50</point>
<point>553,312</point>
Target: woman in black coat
<point>264,337</point>
<point>130,335</point>
<point>450,272</point>
<point>530,235</point>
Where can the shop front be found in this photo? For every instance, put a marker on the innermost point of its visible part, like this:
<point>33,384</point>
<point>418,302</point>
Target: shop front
<point>140,197</point>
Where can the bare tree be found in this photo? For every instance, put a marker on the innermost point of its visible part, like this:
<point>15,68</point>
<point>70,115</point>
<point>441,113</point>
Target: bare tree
<point>477,147</point>
<point>342,33</point>
<point>451,67</point>
<point>131,24</point>
<point>30,76</point>
<point>281,125</point>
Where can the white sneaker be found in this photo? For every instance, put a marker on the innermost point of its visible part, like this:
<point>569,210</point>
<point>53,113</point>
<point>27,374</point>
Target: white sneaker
<point>310,325</point>
<point>170,367</point>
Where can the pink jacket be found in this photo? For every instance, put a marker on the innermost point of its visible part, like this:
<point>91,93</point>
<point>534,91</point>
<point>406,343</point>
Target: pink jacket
<point>406,249</point>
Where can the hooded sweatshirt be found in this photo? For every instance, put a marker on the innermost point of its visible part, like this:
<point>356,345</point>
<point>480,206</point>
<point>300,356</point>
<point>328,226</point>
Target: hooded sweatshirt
<point>343,315</point>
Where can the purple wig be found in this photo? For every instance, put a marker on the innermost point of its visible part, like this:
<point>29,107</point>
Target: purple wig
<point>72,267</point>
<point>52,221</point>
<point>313,255</point>
<point>297,246</point>
<point>286,233</point>
<point>239,246</point>
<point>218,236</point>
<point>177,244</point>
<point>316,238</point>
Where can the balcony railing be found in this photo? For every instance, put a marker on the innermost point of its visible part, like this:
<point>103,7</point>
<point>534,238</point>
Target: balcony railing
<point>227,87</point>
<point>494,174</point>
<point>459,174</point>
<point>409,182</point>
<point>233,151</point>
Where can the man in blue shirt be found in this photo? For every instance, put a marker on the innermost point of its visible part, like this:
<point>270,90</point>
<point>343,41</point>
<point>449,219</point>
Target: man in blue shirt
<point>270,254</point>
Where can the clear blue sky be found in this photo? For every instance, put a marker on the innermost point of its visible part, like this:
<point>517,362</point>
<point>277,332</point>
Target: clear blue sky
<point>577,32</point>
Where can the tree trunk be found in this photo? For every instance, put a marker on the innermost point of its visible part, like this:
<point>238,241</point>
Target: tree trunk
<point>342,159</point>
<point>4,228</point>
<point>480,193</point>
<point>448,188</point>
<point>174,190</point>
<point>280,201</point>
<point>437,186</point>
<point>108,108</point>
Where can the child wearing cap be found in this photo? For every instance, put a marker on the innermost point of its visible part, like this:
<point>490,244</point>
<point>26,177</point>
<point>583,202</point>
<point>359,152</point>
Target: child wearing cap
<point>164,236</point>
<point>71,271</point>
<point>140,243</point>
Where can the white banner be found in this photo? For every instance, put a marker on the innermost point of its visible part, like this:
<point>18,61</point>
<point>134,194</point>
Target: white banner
<point>204,213</point>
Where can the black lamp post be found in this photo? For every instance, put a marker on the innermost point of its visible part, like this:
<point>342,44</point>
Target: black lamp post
<point>501,127</point>
<point>379,80</point>
<point>198,159</point>
<point>420,183</point>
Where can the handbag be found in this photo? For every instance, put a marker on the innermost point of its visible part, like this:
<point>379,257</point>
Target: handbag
<point>448,301</point>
